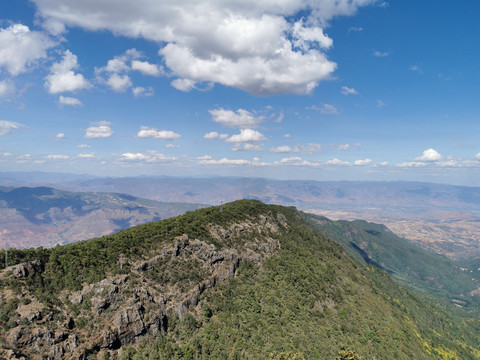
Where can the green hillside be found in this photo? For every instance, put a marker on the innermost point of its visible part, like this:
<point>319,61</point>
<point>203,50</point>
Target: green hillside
<point>412,266</point>
<point>241,281</point>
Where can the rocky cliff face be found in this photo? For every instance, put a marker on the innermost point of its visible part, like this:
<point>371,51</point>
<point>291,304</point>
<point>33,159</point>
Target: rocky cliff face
<point>121,309</point>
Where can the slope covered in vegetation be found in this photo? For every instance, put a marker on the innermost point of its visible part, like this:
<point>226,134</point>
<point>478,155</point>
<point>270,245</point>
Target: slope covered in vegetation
<point>240,281</point>
<point>409,264</point>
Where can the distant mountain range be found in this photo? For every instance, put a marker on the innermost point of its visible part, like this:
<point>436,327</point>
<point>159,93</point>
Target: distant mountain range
<point>444,218</point>
<point>44,216</point>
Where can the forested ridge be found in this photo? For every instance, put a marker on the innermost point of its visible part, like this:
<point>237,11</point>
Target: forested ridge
<point>243,280</point>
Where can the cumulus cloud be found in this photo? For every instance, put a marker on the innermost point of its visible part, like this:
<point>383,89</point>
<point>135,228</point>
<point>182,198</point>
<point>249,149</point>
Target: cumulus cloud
<point>69,101</point>
<point>21,48</point>
<point>148,132</point>
<point>281,149</point>
<point>99,130</point>
<point>214,135</point>
<point>339,162</point>
<point>273,51</point>
<point>116,71</point>
<point>62,77</point>
<point>146,68</point>
<point>140,91</point>
<point>247,147</point>
<point>240,119</point>
<point>429,155</point>
<point>362,162</point>
<point>172,146</point>
<point>148,156</point>
<point>60,136</point>
<point>6,127</point>
<point>83,146</point>
<point>349,91</point>
<point>296,161</point>
<point>343,147</point>
<point>119,83</point>
<point>246,136</point>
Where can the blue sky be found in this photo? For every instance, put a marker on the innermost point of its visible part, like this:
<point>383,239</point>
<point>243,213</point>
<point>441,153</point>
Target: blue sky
<point>291,89</point>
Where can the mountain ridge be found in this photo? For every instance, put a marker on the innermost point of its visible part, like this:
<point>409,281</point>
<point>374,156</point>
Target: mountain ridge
<point>240,280</point>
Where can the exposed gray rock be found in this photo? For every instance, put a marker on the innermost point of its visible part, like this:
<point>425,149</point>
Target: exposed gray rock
<point>27,269</point>
<point>129,324</point>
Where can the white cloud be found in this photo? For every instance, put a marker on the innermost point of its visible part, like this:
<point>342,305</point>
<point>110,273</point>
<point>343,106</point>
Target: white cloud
<point>349,91</point>
<point>299,148</point>
<point>57,157</point>
<point>247,147</point>
<point>380,103</point>
<point>60,136</point>
<point>272,53</point>
<point>412,164</point>
<point>281,149</point>
<point>208,160</point>
<point>69,101</point>
<point>344,147</point>
<point>241,119</point>
<point>117,68</point>
<point>149,157</point>
<point>246,136</point>
<point>477,156</point>
<point>287,136</point>
<point>139,91</point>
<point>83,146</point>
<point>7,88</point>
<point>339,162</point>
<point>381,53</point>
<point>429,155</point>
<point>146,68</point>
<point>304,36</point>
<point>6,127</point>
<point>119,83</point>
<point>87,156</point>
<point>147,132</point>
<point>21,48</point>
<point>324,109</point>
<point>99,130</point>
<point>214,135</point>
<point>62,77</point>
<point>362,162</point>
<point>172,146</point>
<point>185,85</point>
